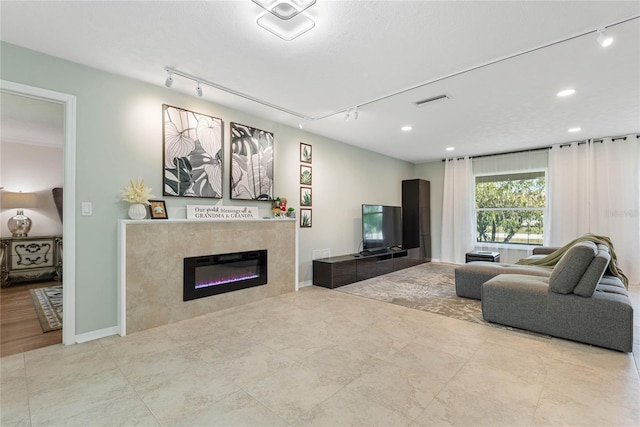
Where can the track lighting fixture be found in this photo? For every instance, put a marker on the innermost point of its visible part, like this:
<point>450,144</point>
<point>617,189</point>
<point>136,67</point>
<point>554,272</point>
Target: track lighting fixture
<point>351,112</point>
<point>199,89</point>
<point>603,38</point>
<point>169,80</point>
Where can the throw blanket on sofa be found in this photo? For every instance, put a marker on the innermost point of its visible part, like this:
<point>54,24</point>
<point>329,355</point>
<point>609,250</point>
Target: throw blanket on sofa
<point>552,259</point>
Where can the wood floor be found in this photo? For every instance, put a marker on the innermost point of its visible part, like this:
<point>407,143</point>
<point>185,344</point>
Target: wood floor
<point>19,327</point>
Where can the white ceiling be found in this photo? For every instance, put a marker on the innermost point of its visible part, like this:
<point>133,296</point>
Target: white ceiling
<point>360,51</point>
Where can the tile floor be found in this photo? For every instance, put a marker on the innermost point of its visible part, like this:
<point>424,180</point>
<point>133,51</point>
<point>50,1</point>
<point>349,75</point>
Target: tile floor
<point>322,358</point>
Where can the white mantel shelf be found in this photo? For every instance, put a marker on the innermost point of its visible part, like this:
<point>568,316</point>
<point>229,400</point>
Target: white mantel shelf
<point>183,220</point>
<point>150,265</point>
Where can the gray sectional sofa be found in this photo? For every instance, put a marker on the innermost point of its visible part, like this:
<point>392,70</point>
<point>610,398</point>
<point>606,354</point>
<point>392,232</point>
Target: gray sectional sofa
<point>574,300</point>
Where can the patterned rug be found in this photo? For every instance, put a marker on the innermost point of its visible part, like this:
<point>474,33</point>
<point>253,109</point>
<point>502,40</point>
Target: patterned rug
<point>48,305</point>
<point>427,287</point>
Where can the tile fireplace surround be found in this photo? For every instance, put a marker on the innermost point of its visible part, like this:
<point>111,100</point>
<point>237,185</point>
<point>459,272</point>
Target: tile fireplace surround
<point>151,266</point>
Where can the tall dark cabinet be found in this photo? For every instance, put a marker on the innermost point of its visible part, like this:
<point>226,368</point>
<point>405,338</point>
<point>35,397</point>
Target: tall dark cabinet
<point>416,219</point>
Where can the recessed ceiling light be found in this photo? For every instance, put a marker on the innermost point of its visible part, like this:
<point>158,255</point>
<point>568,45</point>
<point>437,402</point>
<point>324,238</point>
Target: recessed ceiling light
<point>566,92</point>
<point>406,128</point>
<point>575,129</point>
<point>450,148</point>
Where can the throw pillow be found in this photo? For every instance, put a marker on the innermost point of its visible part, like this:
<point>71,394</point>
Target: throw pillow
<point>567,273</point>
<point>589,280</point>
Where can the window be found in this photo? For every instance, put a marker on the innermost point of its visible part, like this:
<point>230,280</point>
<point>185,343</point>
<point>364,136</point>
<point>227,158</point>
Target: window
<point>510,208</point>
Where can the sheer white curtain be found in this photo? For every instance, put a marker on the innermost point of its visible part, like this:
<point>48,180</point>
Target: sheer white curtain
<point>594,187</point>
<point>458,217</point>
<point>504,164</point>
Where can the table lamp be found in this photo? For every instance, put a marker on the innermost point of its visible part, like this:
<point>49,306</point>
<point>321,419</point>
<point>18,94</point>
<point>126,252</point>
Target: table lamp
<point>19,224</point>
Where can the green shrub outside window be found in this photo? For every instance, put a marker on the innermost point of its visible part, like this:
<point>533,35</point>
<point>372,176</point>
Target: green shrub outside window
<point>510,208</point>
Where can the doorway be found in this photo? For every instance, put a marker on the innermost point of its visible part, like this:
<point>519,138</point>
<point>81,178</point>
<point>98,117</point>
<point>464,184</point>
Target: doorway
<point>68,104</point>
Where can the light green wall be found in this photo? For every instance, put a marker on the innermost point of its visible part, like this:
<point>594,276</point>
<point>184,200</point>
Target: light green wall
<point>119,136</point>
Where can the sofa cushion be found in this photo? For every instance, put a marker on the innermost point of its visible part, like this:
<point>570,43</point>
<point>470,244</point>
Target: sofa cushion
<point>589,280</point>
<point>567,273</point>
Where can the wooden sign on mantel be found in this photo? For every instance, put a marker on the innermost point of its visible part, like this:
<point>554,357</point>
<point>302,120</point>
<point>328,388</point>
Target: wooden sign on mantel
<point>222,212</point>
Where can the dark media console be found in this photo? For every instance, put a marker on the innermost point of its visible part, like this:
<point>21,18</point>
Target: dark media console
<point>341,270</point>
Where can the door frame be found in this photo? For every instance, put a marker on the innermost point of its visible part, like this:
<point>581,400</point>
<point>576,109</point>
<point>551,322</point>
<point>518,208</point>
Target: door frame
<point>68,197</point>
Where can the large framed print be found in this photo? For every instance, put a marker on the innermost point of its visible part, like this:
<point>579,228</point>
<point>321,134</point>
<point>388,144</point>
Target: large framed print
<point>251,163</point>
<point>192,154</point>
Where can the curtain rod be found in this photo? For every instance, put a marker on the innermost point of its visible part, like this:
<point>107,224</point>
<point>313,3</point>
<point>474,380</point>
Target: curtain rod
<point>613,138</point>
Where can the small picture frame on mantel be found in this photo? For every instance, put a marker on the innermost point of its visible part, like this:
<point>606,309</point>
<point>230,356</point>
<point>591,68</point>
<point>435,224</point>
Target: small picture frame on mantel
<point>157,209</point>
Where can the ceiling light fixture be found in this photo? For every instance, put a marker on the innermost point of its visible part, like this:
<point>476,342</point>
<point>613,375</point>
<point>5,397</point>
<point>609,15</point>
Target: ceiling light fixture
<point>603,38</point>
<point>285,9</point>
<point>566,92</point>
<point>199,89</point>
<point>572,130</point>
<point>355,113</point>
<point>169,81</point>
<point>450,148</point>
<point>406,128</point>
<point>285,18</point>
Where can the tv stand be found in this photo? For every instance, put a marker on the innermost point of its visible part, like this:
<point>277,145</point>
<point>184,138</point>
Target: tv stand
<point>338,271</point>
<point>374,251</point>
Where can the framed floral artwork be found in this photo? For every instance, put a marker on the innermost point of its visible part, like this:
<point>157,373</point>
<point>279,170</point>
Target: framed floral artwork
<point>251,163</point>
<point>305,153</point>
<point>192,154</point>
<point>305,218</point>
<point>305,175</point>
<point>305,196</point>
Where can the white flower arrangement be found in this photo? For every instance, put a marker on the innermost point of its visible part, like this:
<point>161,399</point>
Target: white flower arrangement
<point>136,192</point>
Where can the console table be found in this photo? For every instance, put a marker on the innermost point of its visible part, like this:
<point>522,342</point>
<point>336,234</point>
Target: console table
<point>30,259</point>
<point>341,270</point>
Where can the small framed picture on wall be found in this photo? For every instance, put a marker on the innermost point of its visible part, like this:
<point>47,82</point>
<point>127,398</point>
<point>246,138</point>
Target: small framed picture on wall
<point>305,196</point>
<point>305,218</point>
<point>305,175</point>
<point>305,153</point>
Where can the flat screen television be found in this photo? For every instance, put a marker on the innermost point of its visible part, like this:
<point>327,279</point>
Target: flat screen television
<point>381,227</point>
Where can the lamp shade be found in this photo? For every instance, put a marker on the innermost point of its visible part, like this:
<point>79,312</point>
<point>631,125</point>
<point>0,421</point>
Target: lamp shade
<point>19,200</point>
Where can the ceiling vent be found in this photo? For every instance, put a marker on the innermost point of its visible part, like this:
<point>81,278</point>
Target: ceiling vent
<point>432,100</point>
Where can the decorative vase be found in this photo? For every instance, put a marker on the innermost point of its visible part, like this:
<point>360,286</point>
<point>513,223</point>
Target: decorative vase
<point>137,211</point>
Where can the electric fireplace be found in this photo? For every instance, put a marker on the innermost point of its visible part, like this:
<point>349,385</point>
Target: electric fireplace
<point>216,274</point>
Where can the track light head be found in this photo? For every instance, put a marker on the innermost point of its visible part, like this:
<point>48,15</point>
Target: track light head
<point>199,89</point>
<point>355,113</point>
<point>169,81</point>
<point>347,115</point>
<point>603,38</point>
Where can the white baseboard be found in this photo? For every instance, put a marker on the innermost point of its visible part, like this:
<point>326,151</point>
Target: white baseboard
<point>94,335</point>
<point>304,284</point>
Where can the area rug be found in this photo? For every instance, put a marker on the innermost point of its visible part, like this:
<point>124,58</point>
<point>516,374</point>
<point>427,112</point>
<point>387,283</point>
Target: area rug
<point>427,287</point>
<point>48,305</point>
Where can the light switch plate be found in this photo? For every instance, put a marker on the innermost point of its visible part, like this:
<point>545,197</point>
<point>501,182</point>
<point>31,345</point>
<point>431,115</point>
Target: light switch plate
<point>87,208</point>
